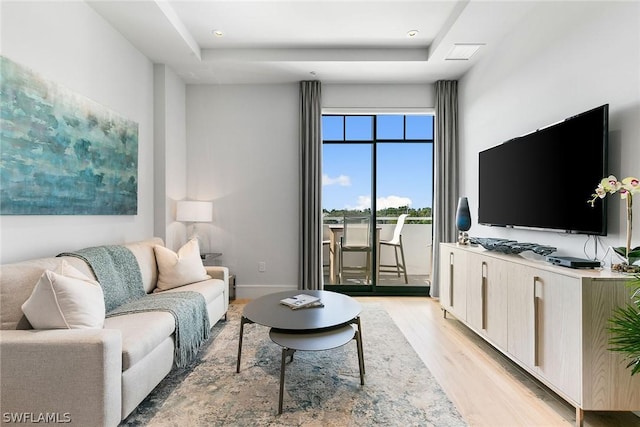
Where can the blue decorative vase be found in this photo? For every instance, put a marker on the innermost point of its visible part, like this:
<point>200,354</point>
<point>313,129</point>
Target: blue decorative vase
<point>463,221</point>
<point>463,216</point>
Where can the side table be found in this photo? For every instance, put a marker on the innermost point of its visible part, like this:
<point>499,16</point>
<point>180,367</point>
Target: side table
<point>211,259</point>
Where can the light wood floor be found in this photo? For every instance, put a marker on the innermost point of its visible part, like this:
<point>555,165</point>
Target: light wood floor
<point>488,389</point>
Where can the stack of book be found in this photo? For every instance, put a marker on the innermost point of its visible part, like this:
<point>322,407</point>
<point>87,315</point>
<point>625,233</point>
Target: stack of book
<point>302,301</point>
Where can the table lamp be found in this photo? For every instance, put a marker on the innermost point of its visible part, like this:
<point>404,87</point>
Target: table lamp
<point>194,211</point>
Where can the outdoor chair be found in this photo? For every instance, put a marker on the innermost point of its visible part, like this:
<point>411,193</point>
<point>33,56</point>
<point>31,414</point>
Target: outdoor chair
<point>356,237</point>
<point>396,243</point>
<point>326,242</point>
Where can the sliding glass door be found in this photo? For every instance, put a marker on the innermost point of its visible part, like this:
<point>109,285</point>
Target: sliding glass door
<point>377,178</point>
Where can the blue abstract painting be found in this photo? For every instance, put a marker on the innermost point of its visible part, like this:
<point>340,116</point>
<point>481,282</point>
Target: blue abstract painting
<point>62,153</point>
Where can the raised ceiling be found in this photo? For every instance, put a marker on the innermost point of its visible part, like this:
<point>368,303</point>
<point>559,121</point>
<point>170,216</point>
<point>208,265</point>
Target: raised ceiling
<point>265,41</point>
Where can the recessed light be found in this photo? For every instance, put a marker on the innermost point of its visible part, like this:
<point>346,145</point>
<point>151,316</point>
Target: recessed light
<point>218,33</point>
<point>412,33</point>
<point>463,51</point>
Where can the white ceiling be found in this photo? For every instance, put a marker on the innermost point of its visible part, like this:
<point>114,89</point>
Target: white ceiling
<point>336,41</point>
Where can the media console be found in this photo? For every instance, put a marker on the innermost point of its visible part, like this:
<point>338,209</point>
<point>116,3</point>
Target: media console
<point>552,321</point>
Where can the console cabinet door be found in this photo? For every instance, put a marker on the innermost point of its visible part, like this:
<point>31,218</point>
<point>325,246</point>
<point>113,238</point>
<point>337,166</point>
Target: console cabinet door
<point>445,278</point>
<point>476,294</point>
<point>521,327</point>
<point>487,298</point>
<point>544,333</point>
<point>559,345</point>
<point>494,274</point>
<point>453,286</point>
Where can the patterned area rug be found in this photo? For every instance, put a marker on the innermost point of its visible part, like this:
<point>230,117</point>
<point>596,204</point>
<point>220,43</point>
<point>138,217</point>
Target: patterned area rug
<point>321,388</point>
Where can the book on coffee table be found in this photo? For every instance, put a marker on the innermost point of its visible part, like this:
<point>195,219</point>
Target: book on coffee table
<point>312,305</point>
<point>301,301</point>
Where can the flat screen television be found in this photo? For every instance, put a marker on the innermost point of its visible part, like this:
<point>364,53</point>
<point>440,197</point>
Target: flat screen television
<point>544,179</point>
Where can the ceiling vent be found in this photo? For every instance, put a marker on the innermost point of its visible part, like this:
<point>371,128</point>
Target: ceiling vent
<point>463,51</point>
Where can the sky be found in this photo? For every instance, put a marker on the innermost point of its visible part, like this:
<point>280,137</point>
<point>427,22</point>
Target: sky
<point>404,169</point>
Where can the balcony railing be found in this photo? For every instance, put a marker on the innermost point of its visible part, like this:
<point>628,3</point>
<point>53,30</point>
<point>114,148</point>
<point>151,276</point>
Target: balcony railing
<point>416,241</point>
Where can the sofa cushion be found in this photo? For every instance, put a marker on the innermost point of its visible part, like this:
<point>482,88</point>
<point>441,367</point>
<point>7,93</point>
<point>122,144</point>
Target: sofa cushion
<point>141,333</point>
<point>179,269</point>
<point>65,299</point>
<point>16,284</point>
<point>144,253</point>
<point>210,289</point>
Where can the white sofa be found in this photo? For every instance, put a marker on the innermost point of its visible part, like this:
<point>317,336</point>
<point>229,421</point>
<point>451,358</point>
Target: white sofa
<point>88,377</point>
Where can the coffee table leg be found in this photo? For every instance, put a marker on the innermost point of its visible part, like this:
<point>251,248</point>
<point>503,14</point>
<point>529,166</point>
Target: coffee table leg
<point>360,357</point>
<point>359,342</point>
<point>243,320</point>
<point>285,352</point>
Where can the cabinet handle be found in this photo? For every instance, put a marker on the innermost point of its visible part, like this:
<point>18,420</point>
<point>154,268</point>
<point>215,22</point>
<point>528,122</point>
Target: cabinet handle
<point>451,279</point>
<point>483,290</point>
<point>536,318</point>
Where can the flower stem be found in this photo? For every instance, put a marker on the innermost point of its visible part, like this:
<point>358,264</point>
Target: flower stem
<point>629,222</point>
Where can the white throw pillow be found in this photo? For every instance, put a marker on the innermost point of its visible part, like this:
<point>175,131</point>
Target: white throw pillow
<point>65,299</point>
<point>179,269</point>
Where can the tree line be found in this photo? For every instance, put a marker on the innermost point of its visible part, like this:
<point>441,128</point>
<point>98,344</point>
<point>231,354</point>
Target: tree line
<point>334,215</point>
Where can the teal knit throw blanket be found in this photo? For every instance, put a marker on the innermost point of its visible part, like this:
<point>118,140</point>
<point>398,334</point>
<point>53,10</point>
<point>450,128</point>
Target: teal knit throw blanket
<point>118,272</point>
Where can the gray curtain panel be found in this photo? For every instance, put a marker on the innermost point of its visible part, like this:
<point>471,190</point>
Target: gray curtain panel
<point>310,263</point>
<point>445,172</point>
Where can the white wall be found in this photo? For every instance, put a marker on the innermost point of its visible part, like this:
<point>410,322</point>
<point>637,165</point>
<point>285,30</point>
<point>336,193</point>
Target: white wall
<point>68,43</point>
<point>170,142</point>
<point>564,58</point>
<point>243,155</point>
<point>378,96</point>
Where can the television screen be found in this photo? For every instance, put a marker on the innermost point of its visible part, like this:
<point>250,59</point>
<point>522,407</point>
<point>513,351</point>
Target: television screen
<point>544,179</point>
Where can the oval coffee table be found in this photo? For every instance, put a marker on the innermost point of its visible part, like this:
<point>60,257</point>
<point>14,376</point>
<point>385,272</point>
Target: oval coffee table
<point>308,329</point>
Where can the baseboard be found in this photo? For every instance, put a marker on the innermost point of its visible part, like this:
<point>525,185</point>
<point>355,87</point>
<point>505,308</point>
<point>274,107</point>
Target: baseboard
<point>256,291</point>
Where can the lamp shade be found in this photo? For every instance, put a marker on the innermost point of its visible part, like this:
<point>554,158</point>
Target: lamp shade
<point>463,216</point>
<point>194,211</point>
